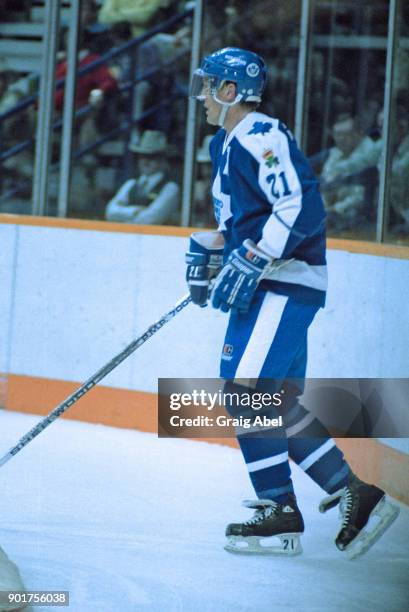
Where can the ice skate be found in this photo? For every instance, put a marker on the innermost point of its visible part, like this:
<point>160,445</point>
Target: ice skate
<point>366,514</point>
<point>274,529</point>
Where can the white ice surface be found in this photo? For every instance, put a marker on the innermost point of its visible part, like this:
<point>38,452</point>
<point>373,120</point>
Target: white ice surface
<point>128,522</point>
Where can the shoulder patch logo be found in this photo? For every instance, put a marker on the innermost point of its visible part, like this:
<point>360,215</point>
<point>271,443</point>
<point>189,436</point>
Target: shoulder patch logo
<point>261,128</point>
<point>270,159</point>
<point>253,70</point>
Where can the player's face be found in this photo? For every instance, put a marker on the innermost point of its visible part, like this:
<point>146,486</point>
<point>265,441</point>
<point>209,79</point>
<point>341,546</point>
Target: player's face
<point>212,110</point>
<point>212,107</point>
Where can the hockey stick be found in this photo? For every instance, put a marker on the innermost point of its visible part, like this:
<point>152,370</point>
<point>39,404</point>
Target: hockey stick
<point>91,382</point>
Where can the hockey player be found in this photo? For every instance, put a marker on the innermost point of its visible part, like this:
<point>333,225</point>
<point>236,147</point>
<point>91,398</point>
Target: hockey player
<point>271,239</point>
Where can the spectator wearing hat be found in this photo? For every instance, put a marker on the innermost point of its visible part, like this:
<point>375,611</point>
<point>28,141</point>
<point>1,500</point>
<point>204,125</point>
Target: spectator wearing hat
<point>152,198</point>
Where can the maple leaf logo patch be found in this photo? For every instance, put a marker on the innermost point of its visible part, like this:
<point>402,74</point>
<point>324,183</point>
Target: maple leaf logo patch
<point>261,127</point>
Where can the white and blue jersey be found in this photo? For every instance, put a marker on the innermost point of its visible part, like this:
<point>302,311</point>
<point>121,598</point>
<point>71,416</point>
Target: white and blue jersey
<point>264,189</point>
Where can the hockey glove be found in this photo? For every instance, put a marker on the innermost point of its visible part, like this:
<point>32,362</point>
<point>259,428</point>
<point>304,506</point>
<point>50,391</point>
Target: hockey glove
<point>236,284</point>
<point>204,261</point>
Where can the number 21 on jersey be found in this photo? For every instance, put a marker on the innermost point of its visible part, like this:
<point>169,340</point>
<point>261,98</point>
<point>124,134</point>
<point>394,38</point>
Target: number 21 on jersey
<point>280,187</point>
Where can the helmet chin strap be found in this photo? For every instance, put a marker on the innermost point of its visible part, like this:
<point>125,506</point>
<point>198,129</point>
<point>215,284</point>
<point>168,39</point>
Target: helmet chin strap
<point>222,114</point>
<point>225,107</point>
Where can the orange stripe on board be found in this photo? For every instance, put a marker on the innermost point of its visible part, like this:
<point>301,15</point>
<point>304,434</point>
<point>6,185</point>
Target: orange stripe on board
<point>106,405</point>
<point>369,248</point>
<point>352,246</point>
<point>371,460</point>
<point>99,226</point>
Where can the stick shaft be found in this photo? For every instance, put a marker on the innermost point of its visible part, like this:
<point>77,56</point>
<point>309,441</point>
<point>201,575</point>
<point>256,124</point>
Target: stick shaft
<point>94,380</point>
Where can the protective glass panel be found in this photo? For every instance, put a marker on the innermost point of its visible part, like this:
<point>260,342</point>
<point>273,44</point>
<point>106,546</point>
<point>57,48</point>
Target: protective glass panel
<point>20,58</point>
<point>397,197</point>
<point>130,124</point>
<point>123,90</point>
<point>347,78</point>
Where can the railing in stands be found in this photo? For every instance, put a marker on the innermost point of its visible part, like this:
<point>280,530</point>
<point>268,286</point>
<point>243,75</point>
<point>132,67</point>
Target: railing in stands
<point>128,48</point>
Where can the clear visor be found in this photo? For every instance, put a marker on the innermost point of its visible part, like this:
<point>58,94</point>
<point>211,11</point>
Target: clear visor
<point>203,84</point>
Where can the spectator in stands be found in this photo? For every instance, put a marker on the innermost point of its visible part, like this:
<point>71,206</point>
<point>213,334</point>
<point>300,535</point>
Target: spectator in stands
<point>14,87</point>
<point>15,128</point>
<point>89,13</point>
<point>96,88</point>
<point>139,13</point>
<point>399,171</point>
<point>120,33</point>
<point>158,53</point>
<point>343,190</point>
<point>9,97</point>
<point>98,35</point>
<point>158,59</point>
<point>92,87</point>
<point>152,197</point>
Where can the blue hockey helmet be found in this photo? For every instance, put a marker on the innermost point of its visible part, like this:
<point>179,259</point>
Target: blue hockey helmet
<point>245,68</point>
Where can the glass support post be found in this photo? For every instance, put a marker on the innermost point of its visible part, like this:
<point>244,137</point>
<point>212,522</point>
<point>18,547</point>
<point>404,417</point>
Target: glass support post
<point>385,162</point>
<point>189,163</point>
<point>44,133</point>
<point>69,109</point>
<point>302,95</point>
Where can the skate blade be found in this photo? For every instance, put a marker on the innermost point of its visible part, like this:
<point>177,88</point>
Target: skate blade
<point>254,545</point>
<point>386,513</point>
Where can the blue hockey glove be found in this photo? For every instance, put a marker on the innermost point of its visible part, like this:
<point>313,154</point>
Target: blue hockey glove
<point>236,284</point>
<point>204,260</point>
